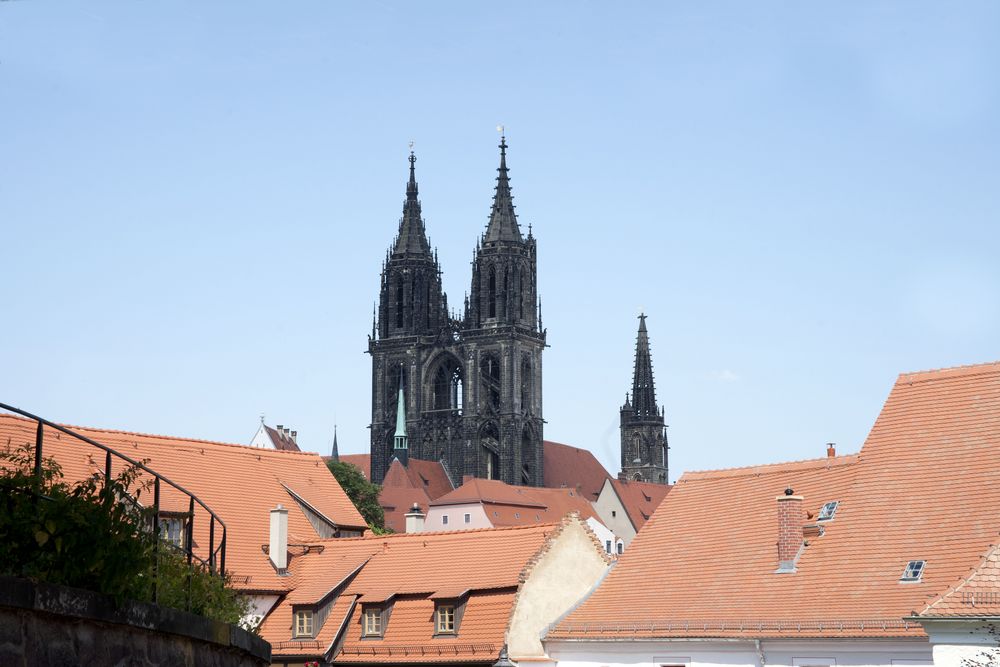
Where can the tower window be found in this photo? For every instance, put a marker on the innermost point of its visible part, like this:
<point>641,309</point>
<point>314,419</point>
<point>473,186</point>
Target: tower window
<point>399,303</point>
<point>492,292</point>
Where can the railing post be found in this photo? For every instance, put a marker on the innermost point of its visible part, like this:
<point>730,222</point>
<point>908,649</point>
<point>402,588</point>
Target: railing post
<point>190,550</point>
<point>222,548</point>
<point>211,543</point>
<point>107,477</point>
<point>156,537</point>
<point>38,455</point>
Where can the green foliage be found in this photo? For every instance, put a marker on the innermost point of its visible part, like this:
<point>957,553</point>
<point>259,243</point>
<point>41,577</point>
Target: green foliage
<point>95,536</point>
<point>362,493</point>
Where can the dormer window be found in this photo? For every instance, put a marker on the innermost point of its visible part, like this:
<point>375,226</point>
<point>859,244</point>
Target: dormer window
<point>371,621</point>
<point>914,570</point>
<point>304,623</point>
<point>827,512</point>
<point>445,619</point>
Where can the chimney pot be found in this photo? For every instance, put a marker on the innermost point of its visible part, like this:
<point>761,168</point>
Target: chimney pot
<point>278,543</point>
<point>831,449</point>
<point>280,427</point>
<point>295,435</point>
<point>415,519</point>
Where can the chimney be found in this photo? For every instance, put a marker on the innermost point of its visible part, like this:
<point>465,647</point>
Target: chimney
<point>295,435</point>
<point>831,449</point>
<point>278,546</point>
<point>280,427</point>
<point>415,519</point>
<point>791,520</point>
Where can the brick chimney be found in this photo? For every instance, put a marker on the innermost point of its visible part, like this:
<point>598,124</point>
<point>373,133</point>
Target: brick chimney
<point>277,548</point>
<point>415,519</point>
<point>831,449</point>
<point>791,521</point>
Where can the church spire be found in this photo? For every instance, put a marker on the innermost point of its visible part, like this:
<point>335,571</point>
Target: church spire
<point>643,391</point>
<point>503,220</point>
<point>334,452</point>
<point>411,239</point>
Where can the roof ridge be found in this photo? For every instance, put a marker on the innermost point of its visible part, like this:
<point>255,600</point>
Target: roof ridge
<point>457,533</point>
<point>770,468</point>
<point>97,429</point>
<point>949,371</point>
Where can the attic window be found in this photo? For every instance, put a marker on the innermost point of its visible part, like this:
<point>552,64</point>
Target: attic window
<point>304,623</point>
<point>468,518</point>
<point>444,520</point>
<point>827,511</point>
<point>371,622</point>
<point>517,515</point>
<point>446,619</point>
<point>914,569</point>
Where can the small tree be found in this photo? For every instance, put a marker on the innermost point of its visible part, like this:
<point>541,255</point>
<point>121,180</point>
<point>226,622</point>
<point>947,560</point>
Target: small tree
<point>362,493</point>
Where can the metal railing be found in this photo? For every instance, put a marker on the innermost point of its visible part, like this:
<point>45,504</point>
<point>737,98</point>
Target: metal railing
<point>215,561</point>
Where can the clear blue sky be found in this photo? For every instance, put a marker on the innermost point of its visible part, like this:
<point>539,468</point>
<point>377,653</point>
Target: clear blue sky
<point>195,199</point>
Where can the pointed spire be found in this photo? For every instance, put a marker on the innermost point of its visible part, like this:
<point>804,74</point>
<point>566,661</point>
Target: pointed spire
<point>503,220</point>
<point>411,239</point>
<point>334,453</point>
<point>643,391</point>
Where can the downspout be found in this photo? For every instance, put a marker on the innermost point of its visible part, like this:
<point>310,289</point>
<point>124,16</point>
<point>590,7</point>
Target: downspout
<point>760,652</point>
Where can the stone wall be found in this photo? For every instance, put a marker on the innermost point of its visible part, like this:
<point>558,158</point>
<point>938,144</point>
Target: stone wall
<point>41,624</point>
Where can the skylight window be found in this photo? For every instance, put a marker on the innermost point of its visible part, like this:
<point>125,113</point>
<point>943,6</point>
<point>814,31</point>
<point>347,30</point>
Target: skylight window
<point>827,512</point>
<point>914,569</point>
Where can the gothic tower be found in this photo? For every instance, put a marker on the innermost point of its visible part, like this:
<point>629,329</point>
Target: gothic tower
<point>471,388</point>
<point>643,433</point>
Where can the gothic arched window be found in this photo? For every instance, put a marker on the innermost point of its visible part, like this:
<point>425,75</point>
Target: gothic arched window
<point>489,374</point>
<point>526,385</point>
<point>399,302</point>
<point>492,292</point>
<point>489,440</point>
<point>447,387</point>
<point>527,456</point>
<point>636,447</point>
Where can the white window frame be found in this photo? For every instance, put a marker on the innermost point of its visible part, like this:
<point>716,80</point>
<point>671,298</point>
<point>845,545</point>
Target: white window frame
<point>304,623</point>
<point>372,621</point>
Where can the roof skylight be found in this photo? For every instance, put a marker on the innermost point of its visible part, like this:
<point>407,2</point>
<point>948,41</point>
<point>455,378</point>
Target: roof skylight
<point>827,511</point>
<point>914,569</point>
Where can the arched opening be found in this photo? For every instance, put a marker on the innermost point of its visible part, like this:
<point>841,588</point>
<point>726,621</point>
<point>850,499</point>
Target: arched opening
<point>636,447</point>
<point>637,477</point>
<point>399,302</point>
<point>526,381</point>
<point>392,378</point>
<point>527,456</point>
<point>446,390</point>
<point>489,447</point>
<point>492,292</point>
<point>489,373</point>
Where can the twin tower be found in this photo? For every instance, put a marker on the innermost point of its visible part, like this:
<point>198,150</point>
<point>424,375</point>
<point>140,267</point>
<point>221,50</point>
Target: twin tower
<point>466,388</point>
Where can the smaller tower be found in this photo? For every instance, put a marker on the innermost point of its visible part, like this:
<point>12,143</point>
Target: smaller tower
<point>334,452</point>
<point>643,433</point>
<point>400,442</point>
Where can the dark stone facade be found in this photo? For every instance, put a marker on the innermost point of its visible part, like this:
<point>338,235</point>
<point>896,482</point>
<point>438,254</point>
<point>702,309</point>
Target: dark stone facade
<point>643,433</point>
<point>472,383</point>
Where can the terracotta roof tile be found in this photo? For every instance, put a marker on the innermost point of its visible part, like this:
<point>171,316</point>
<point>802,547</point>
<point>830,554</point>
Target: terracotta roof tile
<point>640,499</point>
<point>362,462</point>
<point>572,467</point>
<point>925,486</point>
<point>508,505</point>
<point>241,484</point>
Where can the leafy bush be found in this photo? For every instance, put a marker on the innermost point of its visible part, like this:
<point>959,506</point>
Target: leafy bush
<point>95,536</point>
<point>362,493</point>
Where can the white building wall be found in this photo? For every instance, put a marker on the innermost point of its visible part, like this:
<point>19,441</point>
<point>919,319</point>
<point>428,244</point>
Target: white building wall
<point>963,643</point>
<point>609,507</point>
<point>609,541</point>
<point>261,439</point>
<point>740,653</point>
<point>456,517</point>
<point>260,605</point>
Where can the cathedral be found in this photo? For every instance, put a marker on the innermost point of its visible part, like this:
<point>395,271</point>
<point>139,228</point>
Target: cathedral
<point>465,389</point>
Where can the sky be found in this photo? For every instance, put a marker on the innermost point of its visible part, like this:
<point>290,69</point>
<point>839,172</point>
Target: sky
<point>195,200</point>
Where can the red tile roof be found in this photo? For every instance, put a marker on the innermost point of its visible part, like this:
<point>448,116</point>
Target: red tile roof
<point>573,468</point>
<point>925,486</point>
<point>410,571</point>
<point>640,499</point>
<point>507,505</point>
<point>362,462</point>
<point>280,440</point>
<point>241,484</point>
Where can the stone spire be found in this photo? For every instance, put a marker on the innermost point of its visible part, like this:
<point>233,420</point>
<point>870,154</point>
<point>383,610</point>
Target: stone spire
<point>334,452</point>
<point>643,391</point>
<point>401,444</point>
<point>503,220</point>
<point>411,239</point>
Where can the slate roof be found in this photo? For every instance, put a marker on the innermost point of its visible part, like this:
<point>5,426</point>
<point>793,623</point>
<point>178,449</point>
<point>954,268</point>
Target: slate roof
<point>241,484</point>
<point>925,486</point>
<point>280,440</point>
